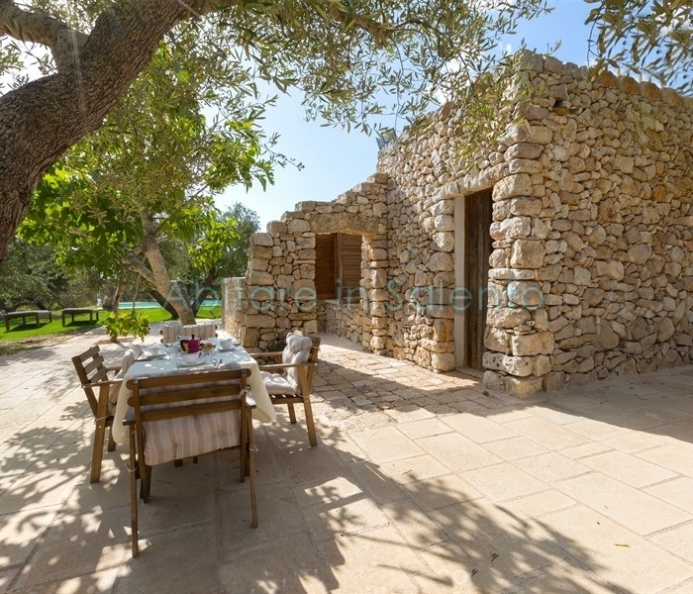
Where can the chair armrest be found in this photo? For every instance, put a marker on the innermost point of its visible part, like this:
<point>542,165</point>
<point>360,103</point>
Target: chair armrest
<point>102,383</point>
<point>282,366</point>
<point>115,368</point>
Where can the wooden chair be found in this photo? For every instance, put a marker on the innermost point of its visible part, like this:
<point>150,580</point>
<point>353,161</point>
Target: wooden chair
<point>291,381</point>
<point>93,376</point>
<point>185,415</point>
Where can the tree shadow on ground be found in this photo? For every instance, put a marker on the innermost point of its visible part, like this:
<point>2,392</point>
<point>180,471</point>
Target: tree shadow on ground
<point>335,518</point>
<point>660,404</point>
<point>330,521</point>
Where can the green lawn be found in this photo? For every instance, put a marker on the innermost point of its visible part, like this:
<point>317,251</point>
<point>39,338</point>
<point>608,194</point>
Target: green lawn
<point>20,331</point>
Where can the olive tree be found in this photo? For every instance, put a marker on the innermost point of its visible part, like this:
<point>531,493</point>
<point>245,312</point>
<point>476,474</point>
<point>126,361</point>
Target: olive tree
<point>351,59</point>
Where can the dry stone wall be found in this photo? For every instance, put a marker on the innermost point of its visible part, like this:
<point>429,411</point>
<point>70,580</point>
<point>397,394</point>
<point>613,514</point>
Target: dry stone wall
<point>342,319</point>
<point>280,280</point>
<point>591,272</point>
<point>593,233</point>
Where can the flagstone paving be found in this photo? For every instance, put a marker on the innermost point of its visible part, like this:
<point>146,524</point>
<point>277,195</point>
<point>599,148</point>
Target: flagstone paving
<point>421,483</point>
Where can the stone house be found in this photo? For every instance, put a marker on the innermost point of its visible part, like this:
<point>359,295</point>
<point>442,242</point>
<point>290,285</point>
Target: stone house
<point>564,257</point>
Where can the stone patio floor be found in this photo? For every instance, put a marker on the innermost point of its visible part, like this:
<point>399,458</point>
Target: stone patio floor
<point>421,483</point>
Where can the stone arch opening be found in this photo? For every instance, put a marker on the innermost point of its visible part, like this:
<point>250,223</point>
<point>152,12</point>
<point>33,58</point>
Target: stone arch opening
<point>350,249</point>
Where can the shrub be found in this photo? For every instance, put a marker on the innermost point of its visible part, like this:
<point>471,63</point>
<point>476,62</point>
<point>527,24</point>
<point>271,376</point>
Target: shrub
<point>126,324</point>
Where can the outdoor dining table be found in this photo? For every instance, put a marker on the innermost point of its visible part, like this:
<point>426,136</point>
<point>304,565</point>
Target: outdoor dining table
<point>148,366</point>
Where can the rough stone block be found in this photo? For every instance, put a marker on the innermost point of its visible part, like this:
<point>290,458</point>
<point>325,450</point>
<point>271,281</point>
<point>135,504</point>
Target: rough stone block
<point>497,340</point>
<point>525,294</point>
<point>507,317</point>
<point>444,242</point>
<point>542,365</point>
<point>441,362</point>
<point>527,253</point>
<point>522,387</point>
<point>517,366</point>
<point>259,321</point>
<point>444,222</point>
<point>256,277</point>
<point>297,226</point>
<point>519,184</point>
<point>441,261</point>
<point>554,380</point>
<point>262,239</point>
<point>539,343</point>
<point>494,381</point>
<point>276,227</point>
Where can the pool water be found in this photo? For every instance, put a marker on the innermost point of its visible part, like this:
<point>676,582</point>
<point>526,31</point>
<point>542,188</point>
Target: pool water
<point>154,304</point>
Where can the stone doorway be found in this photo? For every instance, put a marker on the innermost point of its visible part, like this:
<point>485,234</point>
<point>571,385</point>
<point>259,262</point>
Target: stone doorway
<point>338,275</point>
<point>473,246</point>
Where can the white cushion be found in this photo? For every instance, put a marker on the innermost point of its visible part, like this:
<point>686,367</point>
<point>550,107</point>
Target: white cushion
<point>277,383</point>
<point>170,332</point>
<point>206,330</point>
<point>113,392</point>
<point>129,357</point>
<point>174,439</point>
<point>297,350</point>
<point>188,331</point>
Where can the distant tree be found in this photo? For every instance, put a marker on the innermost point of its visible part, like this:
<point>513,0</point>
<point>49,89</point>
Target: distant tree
<point>235,259</point>
<point>30,273</point>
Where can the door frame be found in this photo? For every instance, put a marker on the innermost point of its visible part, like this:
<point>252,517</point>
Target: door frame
<point>464,297</point>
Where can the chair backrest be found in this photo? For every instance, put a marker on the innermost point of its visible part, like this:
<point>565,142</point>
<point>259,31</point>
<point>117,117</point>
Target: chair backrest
<point>206,330</point>
<point>170,332</point>
<point>182,415</point>
<point>301,349</point>
<point>90,369</point>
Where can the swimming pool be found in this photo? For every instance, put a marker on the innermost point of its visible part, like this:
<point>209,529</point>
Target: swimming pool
<point>154,304</point>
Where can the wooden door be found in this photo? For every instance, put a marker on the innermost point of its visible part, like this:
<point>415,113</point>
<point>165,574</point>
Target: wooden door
<point>478,215</point>
<point>349,272</point>
<point>325,266</point>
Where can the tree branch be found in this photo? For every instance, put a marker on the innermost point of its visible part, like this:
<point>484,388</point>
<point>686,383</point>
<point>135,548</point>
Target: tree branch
<point>136,264</point>
<point>43,29</point>
<point>339,12</point>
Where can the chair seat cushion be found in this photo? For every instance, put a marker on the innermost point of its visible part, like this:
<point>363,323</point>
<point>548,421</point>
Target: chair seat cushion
<point>277,383</point>
<point>184,437</point>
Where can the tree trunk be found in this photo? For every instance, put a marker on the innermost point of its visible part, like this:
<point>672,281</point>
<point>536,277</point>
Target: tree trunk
<point>172,292</point>
<point>161,300</point>
<point>41,120</point>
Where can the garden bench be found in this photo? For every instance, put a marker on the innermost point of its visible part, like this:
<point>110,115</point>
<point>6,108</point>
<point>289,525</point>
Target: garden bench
<point>78,311</point>
<point>35,314</point>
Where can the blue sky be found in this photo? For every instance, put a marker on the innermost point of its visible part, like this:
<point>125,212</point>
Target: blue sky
<point>335,160</point>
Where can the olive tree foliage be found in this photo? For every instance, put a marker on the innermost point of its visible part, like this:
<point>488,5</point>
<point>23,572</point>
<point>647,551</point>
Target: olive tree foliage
<point>30,274</point>
<point>352,59</point>
<point>648,38</point>
<point>148,177</point>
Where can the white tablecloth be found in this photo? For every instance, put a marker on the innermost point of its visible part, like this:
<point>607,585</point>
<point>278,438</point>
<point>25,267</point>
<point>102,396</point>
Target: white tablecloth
<point>264,411</point>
